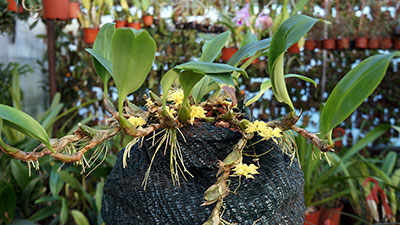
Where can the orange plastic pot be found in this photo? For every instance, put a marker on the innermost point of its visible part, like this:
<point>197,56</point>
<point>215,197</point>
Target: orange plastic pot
<point>373,43</point>
<point>294,48</point>
<point>329,44</point>
<point>89,35</point>
<point>362,42</point>
<point>332,214</point>
<point>396,43</point>
<point>73,10</point>
<point>12,6</point>
<point>386,43</point>
<point>147,20</point>
<point>120,23</point>
<point>56,9</point>
<point>135,25</point>
<point>312,218</point>
<point>343,43</point>
<point>227,53</point>
<point>310,45</point>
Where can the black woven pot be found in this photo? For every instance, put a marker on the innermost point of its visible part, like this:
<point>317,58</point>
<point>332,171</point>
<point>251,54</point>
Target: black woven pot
<point>275,196</point>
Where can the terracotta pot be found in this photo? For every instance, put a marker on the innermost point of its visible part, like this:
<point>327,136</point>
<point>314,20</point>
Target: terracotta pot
<point>120,23</point>
<point>73,10</point>
<point>396,43</point>
<point>386,43</point>
<point>56,9</point>
<point>294,48</point>
<point>135,25</point>
<point>312,218</point>
<point>332,214</point>
<point>343,43</point>
<point>362,42</point>
<point>12,6</point>
<point>147,20</point>
<point>254,61</point>
<point>373,43</point>
<point>89,35</point>
<point>310,45</point>
<point>319,44</point>
<point>329,44</point>
<point>227,53</point>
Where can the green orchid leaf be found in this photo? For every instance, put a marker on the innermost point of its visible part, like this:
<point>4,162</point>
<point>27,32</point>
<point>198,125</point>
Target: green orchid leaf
<point>200,89</point>
<point>249,50</point>
<point>248,39</point>
<point>101,52</point>
<point>353,89</point>
<point>267,85</point>
<point>132,55</point>
<point>79,217</point>
<point>288,33</point>
<point>214,46</point>
<point>222,79</point>
<point>25,124</point>
<point>166,82</point>
<point>210,68</point>
<point>187,79</point>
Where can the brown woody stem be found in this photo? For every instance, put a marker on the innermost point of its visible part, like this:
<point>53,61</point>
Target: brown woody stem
<point>321,144</point>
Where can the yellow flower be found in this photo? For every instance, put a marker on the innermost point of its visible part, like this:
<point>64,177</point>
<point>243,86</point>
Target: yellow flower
<point>176,96</point>
<point>171,111</point>
<point>149,102</point>
<point>137,121</point>
<point>245,170</point>
<point>276,132</point>
<point>197,112</point>
<point>263,130</point>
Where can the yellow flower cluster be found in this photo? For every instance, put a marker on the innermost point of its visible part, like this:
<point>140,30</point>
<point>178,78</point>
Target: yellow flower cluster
<point>149,102</point>
<point>176,96</point>
<point>170,111</point>
<point>137,121</point>
<point>197,112</point>
<point>263,130</point>
<point>245,170</point>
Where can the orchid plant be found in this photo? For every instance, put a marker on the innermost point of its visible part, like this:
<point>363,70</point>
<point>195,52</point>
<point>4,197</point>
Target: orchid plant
<point>206,92</point>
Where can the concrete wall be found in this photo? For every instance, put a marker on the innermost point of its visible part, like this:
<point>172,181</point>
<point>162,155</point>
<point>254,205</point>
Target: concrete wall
<point>27,49</point>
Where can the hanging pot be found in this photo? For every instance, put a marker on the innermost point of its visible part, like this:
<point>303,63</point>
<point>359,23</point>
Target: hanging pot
<point>332,214</point>
<point>275,196</point>
<point>120,23</point>
<point>373,43</point>
<point>89,35</point>
<point>361,42</point>
<point>294,48</point>
<point>329,44</point>
<point>310,45</point>
<point>343,43</point>
<point>227,53</point>
<point>147,20</point>
<point>386,43</point>
<point>12,6</point>
<point>396,43</point>
<point>135,25</point>
<point>313,218</point>
<point>73,10</point>
<point>56,9</point>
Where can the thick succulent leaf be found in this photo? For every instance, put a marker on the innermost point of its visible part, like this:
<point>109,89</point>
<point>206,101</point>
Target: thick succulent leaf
<point>222,79</point>
<point>210,68</point>
<point>288,33</point>
<point>267,85</point>
<point>249,50</point>
<point>213,47</point>
<point>24,123</point>
<point>132,55</point>
<point>102,47</point>
<point>353,89</point>
<point>166,82</point>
